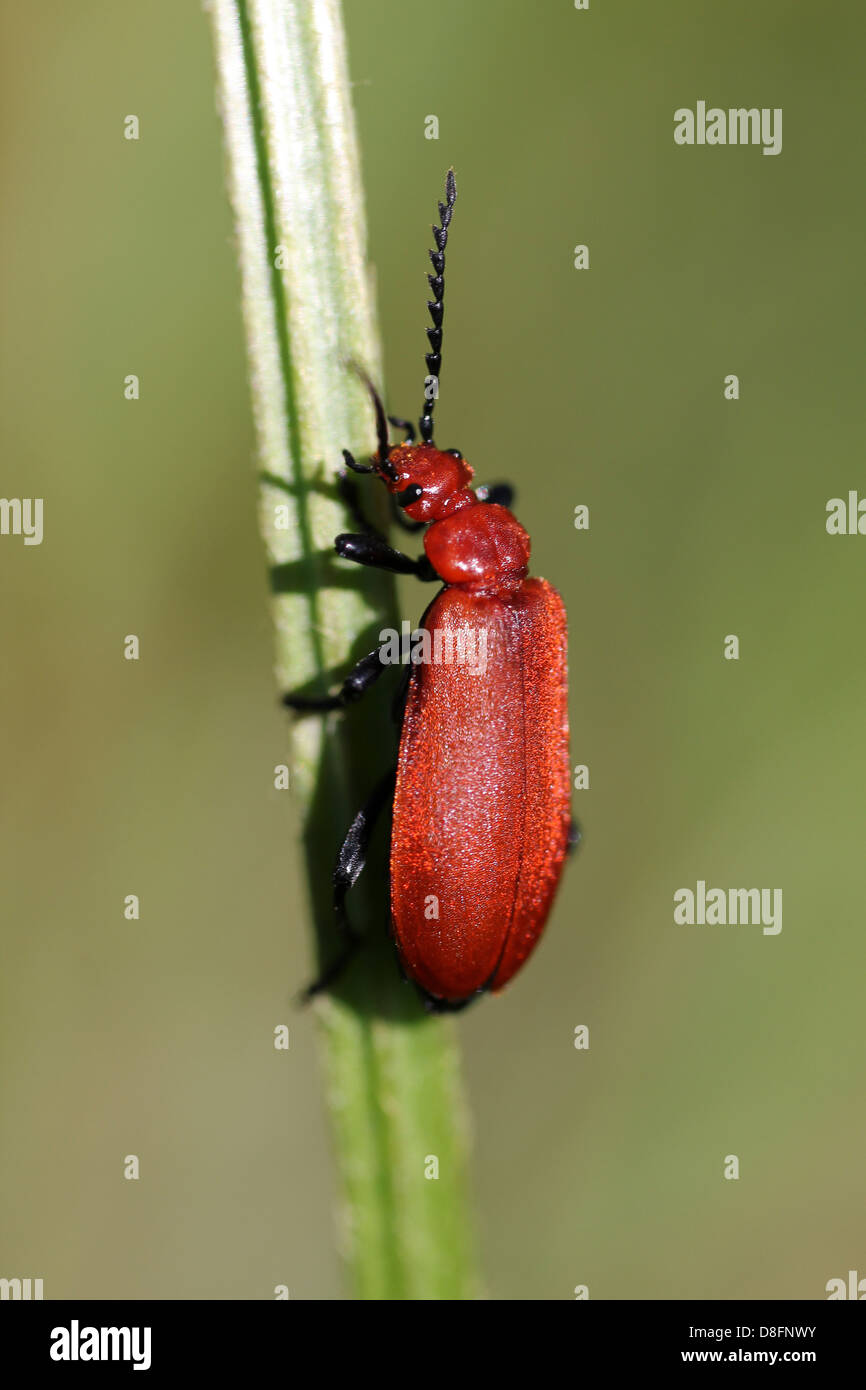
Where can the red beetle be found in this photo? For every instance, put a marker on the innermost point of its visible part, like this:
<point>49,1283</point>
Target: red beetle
<point>481,793</point>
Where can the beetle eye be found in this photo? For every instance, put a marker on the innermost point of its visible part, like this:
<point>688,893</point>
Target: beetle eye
<point>455,453</point>
<point>410,494</point>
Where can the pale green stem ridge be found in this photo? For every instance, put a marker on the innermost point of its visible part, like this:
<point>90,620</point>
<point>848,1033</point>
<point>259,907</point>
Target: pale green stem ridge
<point>393,1084</point>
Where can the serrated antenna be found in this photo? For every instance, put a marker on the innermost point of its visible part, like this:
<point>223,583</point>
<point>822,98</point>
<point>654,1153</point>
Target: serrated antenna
<point>436,306</point>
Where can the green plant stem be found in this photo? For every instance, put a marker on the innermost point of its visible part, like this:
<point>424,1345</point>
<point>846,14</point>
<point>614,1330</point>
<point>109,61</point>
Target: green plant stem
<point>392,1073</point>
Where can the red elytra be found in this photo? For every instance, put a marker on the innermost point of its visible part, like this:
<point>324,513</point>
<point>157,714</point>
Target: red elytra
<point>481,806</point>
<point>480,814</point>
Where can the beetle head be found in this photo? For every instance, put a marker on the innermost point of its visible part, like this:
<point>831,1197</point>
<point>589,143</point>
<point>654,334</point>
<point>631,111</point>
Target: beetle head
<point>426,482</point>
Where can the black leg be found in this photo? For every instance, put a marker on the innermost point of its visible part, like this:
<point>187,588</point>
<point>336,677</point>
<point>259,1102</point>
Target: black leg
<point>348,490</point>
<point>350,494</point>
<point>405,425</point>
<point>351,462</point>
<point>574,837</point>
<point>373,550</point>
<point>359,679</point>
<point>350,863</point>
<point>501,493</point>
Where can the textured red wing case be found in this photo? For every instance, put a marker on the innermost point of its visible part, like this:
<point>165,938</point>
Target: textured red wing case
<point>481,807</point>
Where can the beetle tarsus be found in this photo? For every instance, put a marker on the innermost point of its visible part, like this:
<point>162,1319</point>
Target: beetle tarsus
<point>360,678</point>
<point>351,861</point>
<point>329,977</point>
<point>351,462</point>
<point>372,550</point>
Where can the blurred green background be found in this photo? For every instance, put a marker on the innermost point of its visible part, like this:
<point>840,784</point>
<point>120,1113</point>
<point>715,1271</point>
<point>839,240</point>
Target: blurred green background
<point>602,387</point>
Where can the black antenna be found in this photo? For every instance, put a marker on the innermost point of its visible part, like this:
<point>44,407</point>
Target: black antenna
<point>436,307</point>
<point>384,465</point>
